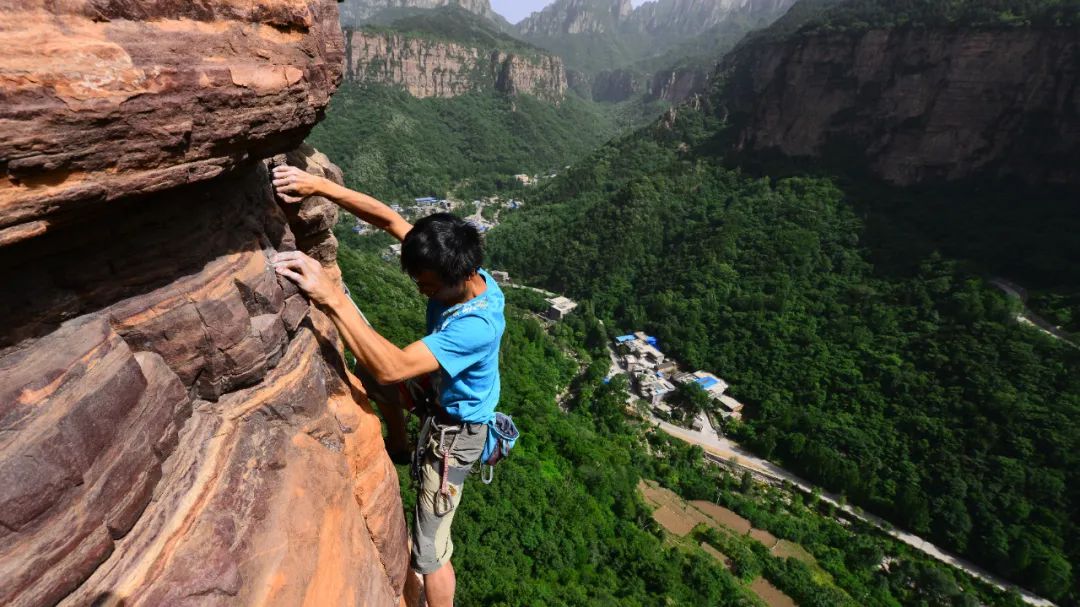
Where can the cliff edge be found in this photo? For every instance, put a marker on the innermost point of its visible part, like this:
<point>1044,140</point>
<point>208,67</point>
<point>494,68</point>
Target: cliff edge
<point>177,426</point>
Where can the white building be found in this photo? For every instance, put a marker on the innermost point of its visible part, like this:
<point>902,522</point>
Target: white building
<point>560,307</point>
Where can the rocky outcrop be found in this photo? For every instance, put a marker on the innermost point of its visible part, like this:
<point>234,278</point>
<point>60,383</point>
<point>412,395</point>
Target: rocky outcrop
<point>436,68</point>
<point>177,426</point>
<point>683,18</point>
<point>357,12</point>
<point>666,19</point>
<point>576,17</point>
<point>614,86</point>
<point>678,84</point>
<point>916,105</point>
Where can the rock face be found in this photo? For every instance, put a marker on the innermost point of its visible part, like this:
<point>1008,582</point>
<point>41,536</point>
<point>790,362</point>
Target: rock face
<point>691,17</point>
<point>356,12</point>
<point>917,105</point>
<point>661,18</point>
<point>678,85</point>
<point>436,68</point>
<point>177,426</point>
<point>614,86</point>
<point>577,17</point>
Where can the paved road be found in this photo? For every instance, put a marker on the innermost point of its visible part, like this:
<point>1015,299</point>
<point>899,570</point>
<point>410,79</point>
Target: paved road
<point>1029,317</point>
<point>723,450</point>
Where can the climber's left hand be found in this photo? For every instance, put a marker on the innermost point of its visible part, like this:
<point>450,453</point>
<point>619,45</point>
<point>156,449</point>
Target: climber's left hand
<point>308,274</point>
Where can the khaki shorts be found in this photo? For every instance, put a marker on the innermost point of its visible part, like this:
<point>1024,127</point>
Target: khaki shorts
<point>431,543</point>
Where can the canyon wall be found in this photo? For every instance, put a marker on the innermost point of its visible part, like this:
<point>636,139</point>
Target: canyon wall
<point>916,105</point>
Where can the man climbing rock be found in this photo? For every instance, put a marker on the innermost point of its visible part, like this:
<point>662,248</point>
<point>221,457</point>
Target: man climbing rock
<point>450,377</point>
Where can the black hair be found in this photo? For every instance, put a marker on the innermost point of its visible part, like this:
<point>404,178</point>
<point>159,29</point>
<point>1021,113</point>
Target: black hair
<point>444,244</point>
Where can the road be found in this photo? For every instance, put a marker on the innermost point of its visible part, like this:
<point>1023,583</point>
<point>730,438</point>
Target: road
<point>722,450</point>
<point>1029,317</point>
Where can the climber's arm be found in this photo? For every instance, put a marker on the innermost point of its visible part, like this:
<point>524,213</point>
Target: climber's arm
<point>293,185</point>
<point>387,363</point>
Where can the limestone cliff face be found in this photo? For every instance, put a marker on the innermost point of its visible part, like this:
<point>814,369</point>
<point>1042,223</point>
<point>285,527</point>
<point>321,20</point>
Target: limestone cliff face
<point>614,85</point>
<point>577,17</point>
<point>664,18</point>
<point>692,17</point>
<point>356,12</point>
<point>917,105</point>
<point>176,423</point>
<point>678,84</point>
<point>436,68</point>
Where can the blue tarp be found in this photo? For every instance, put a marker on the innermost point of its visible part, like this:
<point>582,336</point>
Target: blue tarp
<point>622,339</point>
<point>649,339</point>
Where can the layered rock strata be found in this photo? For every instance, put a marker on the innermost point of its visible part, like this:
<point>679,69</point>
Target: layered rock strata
<point>917,105</point>
<point>435,68</point>
<point>177,426</point>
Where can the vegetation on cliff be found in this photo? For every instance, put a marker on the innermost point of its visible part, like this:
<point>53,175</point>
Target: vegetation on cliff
<point>830,15</point>
<point>906,386</point>
<point>453,24</point>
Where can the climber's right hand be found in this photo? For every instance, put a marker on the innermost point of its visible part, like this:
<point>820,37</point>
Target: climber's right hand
<point>293,185</point>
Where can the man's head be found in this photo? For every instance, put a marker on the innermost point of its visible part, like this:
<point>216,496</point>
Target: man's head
<point>440,253</point>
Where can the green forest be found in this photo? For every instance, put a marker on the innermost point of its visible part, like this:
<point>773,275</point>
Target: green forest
<point>908,387</point>
<point>858,323</point>
<point>563,523</point>
<point>454,24</point>
<point>393,145</point>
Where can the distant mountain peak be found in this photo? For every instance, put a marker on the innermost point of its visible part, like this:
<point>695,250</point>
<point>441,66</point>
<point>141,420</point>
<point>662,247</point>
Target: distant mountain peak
<point>564,17</point>
<point>577,17</point>
<point>355,12</point>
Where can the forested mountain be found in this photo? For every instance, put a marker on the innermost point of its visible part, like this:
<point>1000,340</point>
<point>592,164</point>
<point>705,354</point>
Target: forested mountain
<point>439,101</point>
<point>564,523</point>
<point>598,35</point>
<point>359,12</point>
<point>873,353</point>
<point>916,91</point>
<point>448,52</point>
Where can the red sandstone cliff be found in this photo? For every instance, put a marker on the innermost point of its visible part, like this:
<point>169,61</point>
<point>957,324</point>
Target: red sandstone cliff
<point>176,423</point>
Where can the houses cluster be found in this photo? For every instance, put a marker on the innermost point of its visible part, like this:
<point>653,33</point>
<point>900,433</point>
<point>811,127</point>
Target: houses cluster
<point>429,205</point>
<point>655,377</point>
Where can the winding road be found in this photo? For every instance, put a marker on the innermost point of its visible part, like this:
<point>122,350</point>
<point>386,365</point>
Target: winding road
<point>721,450</point>
<point>1029,317</point>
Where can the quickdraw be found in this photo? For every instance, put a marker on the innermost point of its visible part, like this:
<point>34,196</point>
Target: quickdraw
<point>447,437</point>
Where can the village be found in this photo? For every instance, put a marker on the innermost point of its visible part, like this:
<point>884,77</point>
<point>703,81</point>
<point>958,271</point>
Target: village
<point>483,214</point>
<point>655,378</point>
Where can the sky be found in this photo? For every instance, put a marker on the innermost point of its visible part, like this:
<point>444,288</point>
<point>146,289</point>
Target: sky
<point>516,10</point>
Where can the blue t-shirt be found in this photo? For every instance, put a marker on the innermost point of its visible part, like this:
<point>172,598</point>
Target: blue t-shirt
<point>465,340</point>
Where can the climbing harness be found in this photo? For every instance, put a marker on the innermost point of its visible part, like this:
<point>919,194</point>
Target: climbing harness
<point>442,451</point>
